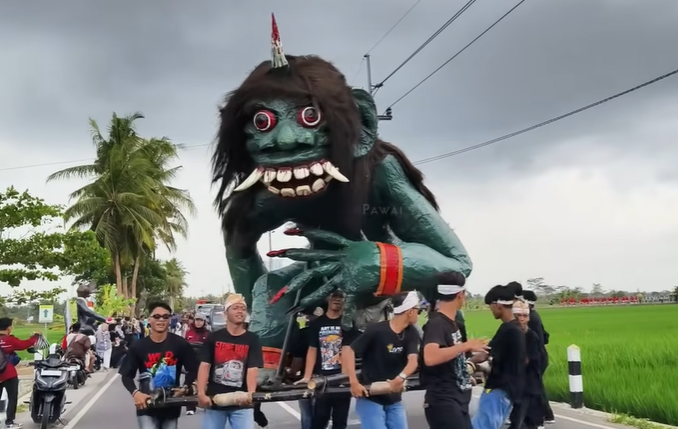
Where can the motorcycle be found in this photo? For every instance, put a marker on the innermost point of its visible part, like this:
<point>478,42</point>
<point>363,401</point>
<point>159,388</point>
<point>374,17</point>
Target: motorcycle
<point>77,376</point>
<point>48,397</point>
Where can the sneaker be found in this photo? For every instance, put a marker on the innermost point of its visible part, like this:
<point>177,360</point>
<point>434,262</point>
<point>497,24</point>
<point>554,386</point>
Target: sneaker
<point>13,426</point>
<point>190,412</point>
<point>550,422</point>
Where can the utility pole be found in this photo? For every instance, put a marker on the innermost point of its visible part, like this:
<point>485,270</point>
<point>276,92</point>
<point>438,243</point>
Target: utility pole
<point>388,116</point>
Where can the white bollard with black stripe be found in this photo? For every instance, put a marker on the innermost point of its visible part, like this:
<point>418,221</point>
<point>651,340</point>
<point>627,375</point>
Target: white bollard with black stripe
<point>576,381</point>
<point>3,408</point>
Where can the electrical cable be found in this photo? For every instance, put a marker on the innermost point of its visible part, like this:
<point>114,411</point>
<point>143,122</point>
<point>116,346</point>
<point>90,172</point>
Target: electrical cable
<point>429,40</point>
<point>393,27</point>
<point>444,155</point>
<point>544,123</point>
<point>456,55</point>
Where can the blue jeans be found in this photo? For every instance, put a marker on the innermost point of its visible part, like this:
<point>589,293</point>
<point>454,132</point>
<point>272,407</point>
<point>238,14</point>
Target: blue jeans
<point>306,412</point>
<point>242,418</point>
<point>377,416</point>
<point>150,422</point>
<point>493,410</point>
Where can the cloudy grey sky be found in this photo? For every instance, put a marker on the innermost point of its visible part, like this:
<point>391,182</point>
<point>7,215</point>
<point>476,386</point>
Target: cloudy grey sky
<point>590,199</point>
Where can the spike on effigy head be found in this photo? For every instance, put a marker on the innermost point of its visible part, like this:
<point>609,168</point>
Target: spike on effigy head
<point>278,59</point>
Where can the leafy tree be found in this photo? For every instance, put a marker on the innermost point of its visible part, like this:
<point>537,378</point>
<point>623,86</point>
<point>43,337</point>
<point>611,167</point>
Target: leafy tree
<point>129,203</point>
<point>108,302</point>
<point>597,289</point>
<point>33,245</point>
<point>175,280</point>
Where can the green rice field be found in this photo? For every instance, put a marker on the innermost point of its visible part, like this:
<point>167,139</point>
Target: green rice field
<point>629,356</point>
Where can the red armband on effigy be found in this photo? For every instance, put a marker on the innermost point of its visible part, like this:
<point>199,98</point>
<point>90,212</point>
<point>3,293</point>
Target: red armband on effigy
<point>391,274</point>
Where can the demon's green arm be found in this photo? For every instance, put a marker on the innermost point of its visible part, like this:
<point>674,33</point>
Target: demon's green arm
<point>430,248</point>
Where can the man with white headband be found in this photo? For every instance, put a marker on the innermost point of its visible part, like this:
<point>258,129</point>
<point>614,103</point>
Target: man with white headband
<point>389,352</point>
<point>505,384</point>
<point>443,363</point>
<point>230,362</point>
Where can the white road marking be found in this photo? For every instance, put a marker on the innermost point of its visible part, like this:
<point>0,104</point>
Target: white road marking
<point>91,403</point>
<point>294,413</point>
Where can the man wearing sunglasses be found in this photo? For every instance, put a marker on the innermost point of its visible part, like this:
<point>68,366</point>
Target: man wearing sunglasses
<point>389,351</point>
<point>162,356</point>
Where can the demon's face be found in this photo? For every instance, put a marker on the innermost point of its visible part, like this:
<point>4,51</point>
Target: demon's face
<point>289,143</point>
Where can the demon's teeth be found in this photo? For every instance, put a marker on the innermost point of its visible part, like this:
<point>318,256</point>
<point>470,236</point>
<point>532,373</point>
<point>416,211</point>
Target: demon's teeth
<point>334,171</point>
<point>317,169</point>
<point>274,190</point>
<point>269,175</point>
<point>284,175</point>
<point>287,192</point>
<point>251,180</point>
<point>318,185</point>
<point>301,173</point>
<point>303,190</point>
<point>327,179</point>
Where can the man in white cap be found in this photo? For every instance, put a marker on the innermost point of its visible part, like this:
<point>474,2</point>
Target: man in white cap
<point>443,372</point>
<point>389,351</point>
<point>230,362</point>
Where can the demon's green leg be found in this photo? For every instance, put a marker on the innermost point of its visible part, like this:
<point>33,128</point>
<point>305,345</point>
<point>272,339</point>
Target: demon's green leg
<point>245,266</point>
<point>268,321</point>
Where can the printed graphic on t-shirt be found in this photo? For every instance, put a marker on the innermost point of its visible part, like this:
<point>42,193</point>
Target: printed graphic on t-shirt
<point>163,369</point>
<point>462,375</point>
<point>229,363</point>
<point>395,349</point>
<point>330,348</point>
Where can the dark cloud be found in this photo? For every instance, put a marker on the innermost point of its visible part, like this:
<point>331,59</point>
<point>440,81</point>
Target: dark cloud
<point>66,61</point>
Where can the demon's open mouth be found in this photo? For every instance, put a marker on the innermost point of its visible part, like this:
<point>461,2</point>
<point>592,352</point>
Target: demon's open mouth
<point>297,181</point>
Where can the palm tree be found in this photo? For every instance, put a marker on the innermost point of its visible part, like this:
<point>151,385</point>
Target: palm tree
<point>176,279</point>
<point>129,203</point>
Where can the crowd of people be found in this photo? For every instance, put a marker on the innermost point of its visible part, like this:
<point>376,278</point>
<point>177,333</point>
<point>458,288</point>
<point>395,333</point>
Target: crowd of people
<point>227,360</point>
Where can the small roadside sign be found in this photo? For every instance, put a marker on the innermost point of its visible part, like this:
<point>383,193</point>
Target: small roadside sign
<point>46,314</point>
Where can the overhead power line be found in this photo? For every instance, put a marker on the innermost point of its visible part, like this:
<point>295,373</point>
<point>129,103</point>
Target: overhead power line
<point>393,27</point>
<point>429,40</point>
<point>542,124</point>
<point>362,61</point>
<point>448,154</point>
<point>455,55</point>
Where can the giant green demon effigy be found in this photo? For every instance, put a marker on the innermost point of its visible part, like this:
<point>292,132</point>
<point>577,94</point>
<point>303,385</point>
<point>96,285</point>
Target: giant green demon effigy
<point>297,144</point>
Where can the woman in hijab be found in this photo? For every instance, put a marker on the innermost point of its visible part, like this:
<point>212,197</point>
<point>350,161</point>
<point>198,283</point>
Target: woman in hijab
<point>104,346</point>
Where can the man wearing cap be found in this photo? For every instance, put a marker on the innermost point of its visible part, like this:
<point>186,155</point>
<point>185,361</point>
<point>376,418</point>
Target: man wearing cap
<point>9,378</point>
<point>443,363</point>
<point>326,337</point>
<point>389,352</point>
<point>230,362</point>
<point>505,383</point>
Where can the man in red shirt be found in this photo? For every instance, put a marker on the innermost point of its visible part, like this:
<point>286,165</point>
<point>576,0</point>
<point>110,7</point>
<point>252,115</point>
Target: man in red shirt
<point>9,379</point>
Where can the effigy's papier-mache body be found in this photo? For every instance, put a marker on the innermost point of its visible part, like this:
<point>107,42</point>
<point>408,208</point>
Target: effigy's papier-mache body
<point>297,144</point>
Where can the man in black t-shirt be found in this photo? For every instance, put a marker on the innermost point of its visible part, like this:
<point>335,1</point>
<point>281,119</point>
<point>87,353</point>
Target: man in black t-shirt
<point>230,361</point>
<point>158,358</point>
<point>389,352</point>
<point>326,337</point>
<point>505,384</point>
<point>443,370</point>
<point>299,352</point>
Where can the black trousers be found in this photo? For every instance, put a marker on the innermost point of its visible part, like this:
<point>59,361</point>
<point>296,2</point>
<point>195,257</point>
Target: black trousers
<point>528,413</point>
<point>546,407</point>
<point>335,407</point>
<point>12,387</point>
<point>447,416</point>
<point>259,416</point>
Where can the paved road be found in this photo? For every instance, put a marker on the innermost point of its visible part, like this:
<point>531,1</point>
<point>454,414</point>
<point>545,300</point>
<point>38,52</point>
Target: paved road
<point>105,404</point>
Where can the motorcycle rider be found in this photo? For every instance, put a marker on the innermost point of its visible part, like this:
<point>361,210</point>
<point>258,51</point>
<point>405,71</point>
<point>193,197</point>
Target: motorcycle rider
<point>78,346</point>
<point>196,335</point>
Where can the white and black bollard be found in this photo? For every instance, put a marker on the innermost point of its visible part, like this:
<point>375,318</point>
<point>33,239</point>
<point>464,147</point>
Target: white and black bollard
<point>576,381</point>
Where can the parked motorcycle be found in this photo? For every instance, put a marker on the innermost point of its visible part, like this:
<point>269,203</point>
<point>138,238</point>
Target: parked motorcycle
<point>48,397</point>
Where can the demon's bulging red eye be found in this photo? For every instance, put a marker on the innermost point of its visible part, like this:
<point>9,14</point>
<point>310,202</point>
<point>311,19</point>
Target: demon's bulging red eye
<point>309,117</point>
<point>264,120</point>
